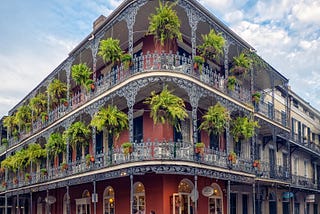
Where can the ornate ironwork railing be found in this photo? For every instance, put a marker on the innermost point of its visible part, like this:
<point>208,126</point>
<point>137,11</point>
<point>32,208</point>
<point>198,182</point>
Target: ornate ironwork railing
<point>305,143</point>
<point>145,151</point>
<point>144,63</point>
<point>302,181</point>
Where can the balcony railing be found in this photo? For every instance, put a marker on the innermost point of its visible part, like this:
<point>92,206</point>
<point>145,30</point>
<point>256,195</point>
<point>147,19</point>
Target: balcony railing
<point>144,63</point>
<point>146,151</point>
<point>273,171</point>
<point>271,113</point>
<point>302,181</point>
<point>305,143</point>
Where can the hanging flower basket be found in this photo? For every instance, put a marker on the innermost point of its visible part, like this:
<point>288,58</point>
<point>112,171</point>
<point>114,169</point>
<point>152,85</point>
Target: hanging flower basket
<point>4,184</point>
<point>127,148</point>
<point>199,148</point>
<point>64,166</point>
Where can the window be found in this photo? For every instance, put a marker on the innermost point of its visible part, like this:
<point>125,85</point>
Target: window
<point>214,141</point>
<point>237,148</point>
<point>244,204</point>
<point>108,201</point>
<point>283,118</point>
<point>138,197</point>
<point>216,200</point>
<point>305,163</point>
<point>99,142</point>
<point>182,200</point>
<point>138,129</point>
<point>233,203</point>
<point>257,154</point>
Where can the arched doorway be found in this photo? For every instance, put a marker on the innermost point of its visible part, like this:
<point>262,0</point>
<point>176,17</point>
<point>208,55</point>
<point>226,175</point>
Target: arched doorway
<point>272,203</point>
<point>83,205</point>
<point>108,201</point>
<point>216,200</point>
<point>139,197</point>
<point>182,200</point>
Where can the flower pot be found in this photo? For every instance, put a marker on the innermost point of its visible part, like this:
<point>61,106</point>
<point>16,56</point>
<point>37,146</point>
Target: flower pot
<point>92,159</point>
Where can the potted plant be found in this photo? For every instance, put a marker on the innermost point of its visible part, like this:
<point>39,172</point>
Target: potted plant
<point>112,119</point>
<point>81,75</point>
<point>89,159</point>
<point>57,91</point>
<point>166,107</point>
<point>164,25</point>
<point>232,157</point>
<point>232,81</point>
<point>15,180</point>
<point>243,128</point>
<point>110,50</point>
<point>4,184</point>
<point>44,171</point>
<point>126,60</point>
<point>212,46</point>
<point>24,118</point>
<point>77,134</point>
<point>27,177</point>
<point>127,148</point>
<point>241,65</point>
<point>38,104</point>
<point>10,123</point>
<point>256,97</point>
<point>198,62</point>
<point>4,141</point>
<point>64,166</point>
<point>215,120</point>
<point>199,148</point>
<point>56,145</point>
<point>256,164</point>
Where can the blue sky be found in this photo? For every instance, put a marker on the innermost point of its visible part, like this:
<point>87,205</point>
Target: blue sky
<point>36,36</point>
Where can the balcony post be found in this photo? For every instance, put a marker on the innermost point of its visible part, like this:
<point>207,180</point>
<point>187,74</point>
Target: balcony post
<point>67,67</point>
<point>228,198</point>
<point>195,194</point>
<point>131,194</point>
<point>94,142</point>
<point>18,204</point>
<point>254,198</point>
<point>95,199</point>
<point>68,201</point>
<point>226,59</point>
<point>5,204</point>
<point>31,202</point>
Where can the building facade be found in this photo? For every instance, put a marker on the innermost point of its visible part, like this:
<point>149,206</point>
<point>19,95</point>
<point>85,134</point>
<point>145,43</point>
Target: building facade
<point>275,170</point>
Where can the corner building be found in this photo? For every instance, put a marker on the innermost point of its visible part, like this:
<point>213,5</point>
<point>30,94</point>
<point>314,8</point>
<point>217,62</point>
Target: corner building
<point>163,173</point>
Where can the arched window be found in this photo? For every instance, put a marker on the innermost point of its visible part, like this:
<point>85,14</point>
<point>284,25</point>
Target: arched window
<point>182,200</point>
<point>138,197</point>
<point>108,201</point>
<point>216,200</point>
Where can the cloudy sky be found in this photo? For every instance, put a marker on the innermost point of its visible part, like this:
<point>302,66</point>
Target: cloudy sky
<point>36,36</point>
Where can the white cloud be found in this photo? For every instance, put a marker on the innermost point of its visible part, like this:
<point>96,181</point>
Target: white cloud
<point>307,12</point>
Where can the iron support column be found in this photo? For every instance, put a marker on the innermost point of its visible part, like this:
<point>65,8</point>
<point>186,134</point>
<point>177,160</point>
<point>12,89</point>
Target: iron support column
<point>228,198</point>
<point>131,194</point>
<point>95,198</point>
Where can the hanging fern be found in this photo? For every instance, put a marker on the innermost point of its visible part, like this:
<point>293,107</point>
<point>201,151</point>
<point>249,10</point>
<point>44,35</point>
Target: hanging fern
<point>81,74</point>
<point>165,24</point>
<point>212,46</point>
<point>242,127</point>
<point>166,107</point>
<point>77,134</point>
<point>110,50</point>
<point>215,120</point>
<point>111,118</point>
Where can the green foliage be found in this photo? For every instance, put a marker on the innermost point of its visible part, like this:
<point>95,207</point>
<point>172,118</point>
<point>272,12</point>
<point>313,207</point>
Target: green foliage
<point>126,145</point>
<point>110,50</point>
<point>242,127</point>
<point>256,97</point>
<point>212,46</point>
<point>111,118</point>
<point>55,145</point>
<point>77,133</point>
<point>215,120</point>
<point>241,64</point>
<point>165,24</point>
<point>10,122</point>
<point>34,153</point>
<point>81,75</point>
<point>166,107</point>
<point>57,92</point>
<point>126,59</point>
<point>199,145</point>
<point>199,61</point>
<point>38,104</point>
<point>232,80</point>
<point>4,141</point>
<point>23,117</point>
